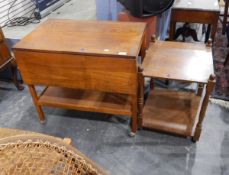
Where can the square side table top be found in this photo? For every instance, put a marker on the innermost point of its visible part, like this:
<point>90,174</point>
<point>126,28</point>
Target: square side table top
<point>203,5</point>
<point>180,61</point>
<point>85,37</point>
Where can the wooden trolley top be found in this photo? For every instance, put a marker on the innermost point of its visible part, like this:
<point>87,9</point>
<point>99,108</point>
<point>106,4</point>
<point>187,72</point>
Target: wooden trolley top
<point>85,37</point>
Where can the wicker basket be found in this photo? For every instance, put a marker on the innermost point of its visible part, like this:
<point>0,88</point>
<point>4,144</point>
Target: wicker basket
<point>37,154</point>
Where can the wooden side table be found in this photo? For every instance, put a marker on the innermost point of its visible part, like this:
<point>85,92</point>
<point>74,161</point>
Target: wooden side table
<point>192,11</point>
<point>7,60</point>
<point>86,65</point>
<point>170,110</point>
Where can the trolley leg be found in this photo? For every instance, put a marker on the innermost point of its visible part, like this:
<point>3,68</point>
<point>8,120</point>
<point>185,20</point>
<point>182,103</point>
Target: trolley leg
<point>35,101</point>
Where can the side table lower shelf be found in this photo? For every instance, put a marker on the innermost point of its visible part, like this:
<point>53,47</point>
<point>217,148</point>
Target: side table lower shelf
<point>86,100</point>
<point>171,111</point>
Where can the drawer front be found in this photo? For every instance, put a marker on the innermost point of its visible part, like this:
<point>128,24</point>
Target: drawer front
<point>194,16</point>
<point>4,54</point>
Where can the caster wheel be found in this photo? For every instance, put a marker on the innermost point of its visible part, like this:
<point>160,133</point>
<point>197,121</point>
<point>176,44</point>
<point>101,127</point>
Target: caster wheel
<point>20,87</point>
<point>193,140</point>
<point>42,121</point>
<point>132,134</point>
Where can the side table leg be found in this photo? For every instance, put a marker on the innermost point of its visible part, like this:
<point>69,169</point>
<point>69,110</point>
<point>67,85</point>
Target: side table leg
<point>225,16</point>
<point>134,115</point>
<point>140,97</point>
<point>172,30</point>
<point>35,101</point>
<point>209,89</point>
<point>214,29</point>
<point>208,32</point>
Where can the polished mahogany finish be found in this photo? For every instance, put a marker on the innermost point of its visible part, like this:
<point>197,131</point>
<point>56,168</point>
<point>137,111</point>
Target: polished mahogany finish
<point>86,65</point>
<point>179,61</point>
<point>86,38</point>
<point>171,110</point>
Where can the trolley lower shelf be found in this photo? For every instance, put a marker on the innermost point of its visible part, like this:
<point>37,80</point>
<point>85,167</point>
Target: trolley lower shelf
<point>85,100</point>
<point>171,111</point>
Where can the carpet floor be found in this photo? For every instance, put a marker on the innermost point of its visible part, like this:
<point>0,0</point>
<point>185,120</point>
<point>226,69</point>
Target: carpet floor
<point>220,51</point>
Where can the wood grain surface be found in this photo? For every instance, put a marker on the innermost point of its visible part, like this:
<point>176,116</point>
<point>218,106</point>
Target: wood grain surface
<point>94,101</point>
<point>171,111</point>
<point>86,37</point>
<point>106,74</point>
<point>179,61</point>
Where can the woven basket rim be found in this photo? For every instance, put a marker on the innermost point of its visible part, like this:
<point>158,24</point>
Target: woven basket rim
<point>40,138</point>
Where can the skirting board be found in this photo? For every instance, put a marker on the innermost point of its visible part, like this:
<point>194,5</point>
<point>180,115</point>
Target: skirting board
<point>53,7</point>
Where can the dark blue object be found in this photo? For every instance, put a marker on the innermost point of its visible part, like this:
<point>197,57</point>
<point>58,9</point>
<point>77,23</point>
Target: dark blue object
<point>145,8</point>
<point>44,4</point>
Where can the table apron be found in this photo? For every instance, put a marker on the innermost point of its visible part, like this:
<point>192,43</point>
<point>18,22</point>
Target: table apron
<point>194,16</point>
